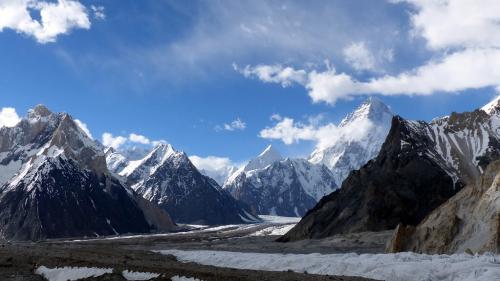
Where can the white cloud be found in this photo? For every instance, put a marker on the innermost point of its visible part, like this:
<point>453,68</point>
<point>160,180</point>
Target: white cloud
<point>211,162</point>
<point>84,128</point>
<point>98,12</point>
<point>119,141</point>
<point>8,117</point>
<point>285,76</point>
<point>457,23</point>
<point>218,168</point>
<point>468,69</point>
<point>237,124</point>
<point>358,56</point>
<point>138,139</point>
<point>464,36</point>
<point>115,142</point>
<point>323,135</point>
<point>56,18</point>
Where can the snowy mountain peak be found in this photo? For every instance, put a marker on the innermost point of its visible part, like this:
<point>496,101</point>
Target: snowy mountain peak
<point>372,109</point>
<point>359,138</point>
<point>493,106</point>
<point>267,157</point>
<point>39,111</point>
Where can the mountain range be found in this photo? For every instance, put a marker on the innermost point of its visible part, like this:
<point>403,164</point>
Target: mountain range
<point>54,183</point>
<point>420,166</point>
<point>271,185</point>
<point>168,178</point>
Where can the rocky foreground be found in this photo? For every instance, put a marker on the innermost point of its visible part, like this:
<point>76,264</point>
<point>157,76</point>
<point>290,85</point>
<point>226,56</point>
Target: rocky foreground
<point>18,261</point>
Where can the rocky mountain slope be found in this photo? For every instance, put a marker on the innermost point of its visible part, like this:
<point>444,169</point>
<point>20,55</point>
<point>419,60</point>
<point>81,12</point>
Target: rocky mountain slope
<point>168,178</point>
<point>54,183</point>
<point>419,167</point>
<point>361,135</point>
<point>469,221</point>
<point>271,185</point>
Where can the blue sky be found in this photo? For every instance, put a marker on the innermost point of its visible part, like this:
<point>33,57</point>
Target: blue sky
<point>184,71</point>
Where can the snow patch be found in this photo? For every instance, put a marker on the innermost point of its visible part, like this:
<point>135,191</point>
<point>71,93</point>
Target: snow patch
<point>133,275</point>
<point>70,273</point>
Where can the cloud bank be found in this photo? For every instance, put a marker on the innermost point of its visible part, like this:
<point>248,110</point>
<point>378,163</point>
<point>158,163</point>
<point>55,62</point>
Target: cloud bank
<point>466,44</point>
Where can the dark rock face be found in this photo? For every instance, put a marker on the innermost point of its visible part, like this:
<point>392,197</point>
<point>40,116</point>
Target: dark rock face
<point>54,183</point>
<point>402,185</point>
<point>168,178</point>
<point>67,202</point>
<point>202,202</point>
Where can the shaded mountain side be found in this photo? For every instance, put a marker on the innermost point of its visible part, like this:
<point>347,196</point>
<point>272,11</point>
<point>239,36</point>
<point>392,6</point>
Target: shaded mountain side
<point>403,184</point>
<point>468,222</point>
<point>168,178</point>
<point>287,187</point>
<point>55,184</point>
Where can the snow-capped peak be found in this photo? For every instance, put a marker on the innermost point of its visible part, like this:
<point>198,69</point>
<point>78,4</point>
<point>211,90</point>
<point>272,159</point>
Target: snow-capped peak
<point>267,157</point>
<point>372,109</point>
<point>359,139</point>
<point>493,106</point>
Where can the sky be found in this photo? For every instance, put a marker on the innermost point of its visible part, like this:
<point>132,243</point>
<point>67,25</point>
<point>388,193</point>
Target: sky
<point>210,76</point>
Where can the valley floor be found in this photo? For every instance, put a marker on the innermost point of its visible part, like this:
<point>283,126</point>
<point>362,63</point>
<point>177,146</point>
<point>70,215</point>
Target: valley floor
<point>235,252</point>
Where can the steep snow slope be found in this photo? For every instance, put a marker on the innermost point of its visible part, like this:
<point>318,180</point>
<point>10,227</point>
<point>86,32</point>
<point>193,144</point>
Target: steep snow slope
<point>289,187</point>
<point>361,136</point>
<point>168,178</point>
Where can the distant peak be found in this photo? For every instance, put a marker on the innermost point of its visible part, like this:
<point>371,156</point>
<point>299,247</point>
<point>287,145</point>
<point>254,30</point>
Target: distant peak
<point>39,111</point>
<point>269,150</point>
<point>373,109</point>
<point>492,106</point>
<point>267,157</point>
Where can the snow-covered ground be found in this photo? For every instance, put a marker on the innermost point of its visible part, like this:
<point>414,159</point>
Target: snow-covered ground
<point>76,273</point>
<point>136,276</point>
<point>70,273</point>
<point>183,278</point>
<point>278,219</point>
<point>389,267</point>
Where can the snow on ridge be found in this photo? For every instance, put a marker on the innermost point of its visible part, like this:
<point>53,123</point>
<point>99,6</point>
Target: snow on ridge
<point>390,267</point>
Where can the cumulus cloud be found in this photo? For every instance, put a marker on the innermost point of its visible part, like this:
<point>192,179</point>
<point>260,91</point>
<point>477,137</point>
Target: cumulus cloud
<point>323,135</point>
<point>84,128</point>
<point>457,23</point>
<point>111,141</point>
<point>132,139</point>
<point>218,168</point>
<point>237,124</point>
<point>56,18</point>
<point>285,76</point>
<point>358,56</point>
<point>138,139</point>
<point>8,117</point>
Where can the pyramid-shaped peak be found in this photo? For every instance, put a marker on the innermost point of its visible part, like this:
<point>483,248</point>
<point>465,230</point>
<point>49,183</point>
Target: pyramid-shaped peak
<point>270,150</point>
<point>267,157</point>
<point>493,106</point>
<point>372,109</point>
